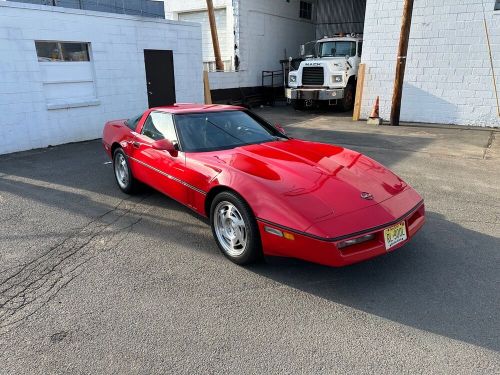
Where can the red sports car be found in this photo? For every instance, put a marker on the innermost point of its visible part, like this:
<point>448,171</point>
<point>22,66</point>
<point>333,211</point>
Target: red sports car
<point>264,192</point>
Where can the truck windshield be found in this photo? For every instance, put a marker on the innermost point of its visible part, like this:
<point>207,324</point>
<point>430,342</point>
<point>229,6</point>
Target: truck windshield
<point>337,49</point>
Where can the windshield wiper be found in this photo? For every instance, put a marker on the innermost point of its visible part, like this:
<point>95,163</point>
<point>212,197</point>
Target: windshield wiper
<point>225,131</point>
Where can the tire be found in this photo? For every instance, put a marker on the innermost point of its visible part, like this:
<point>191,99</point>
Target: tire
<point>123,175</point>
<point>297,104</point>
<point>347,102</point>
<point>235,229</point>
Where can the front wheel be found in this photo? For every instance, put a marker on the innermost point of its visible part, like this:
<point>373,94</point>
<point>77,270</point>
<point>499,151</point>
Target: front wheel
<point>235,229</point>
<point>123,174</point>
<point>347,102</point>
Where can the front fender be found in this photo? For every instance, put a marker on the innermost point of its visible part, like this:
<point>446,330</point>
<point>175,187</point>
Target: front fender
<point>296,211</point>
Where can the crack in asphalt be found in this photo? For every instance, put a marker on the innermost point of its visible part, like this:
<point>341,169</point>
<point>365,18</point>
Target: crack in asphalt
<point>35,283</point>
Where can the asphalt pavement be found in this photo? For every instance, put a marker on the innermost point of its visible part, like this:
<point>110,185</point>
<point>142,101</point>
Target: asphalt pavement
<point>93,281</point>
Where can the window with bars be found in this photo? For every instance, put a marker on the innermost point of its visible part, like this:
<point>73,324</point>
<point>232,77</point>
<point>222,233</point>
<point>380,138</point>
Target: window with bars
<point>305,10</point>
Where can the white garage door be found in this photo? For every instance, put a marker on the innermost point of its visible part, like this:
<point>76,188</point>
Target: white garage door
<point>224,40</point>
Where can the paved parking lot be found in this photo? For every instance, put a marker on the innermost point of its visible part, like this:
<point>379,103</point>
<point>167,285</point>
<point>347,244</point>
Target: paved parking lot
<point>94,281</point>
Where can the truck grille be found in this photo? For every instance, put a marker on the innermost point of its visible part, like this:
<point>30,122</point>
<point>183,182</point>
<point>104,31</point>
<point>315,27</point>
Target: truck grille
<point>313,76</point>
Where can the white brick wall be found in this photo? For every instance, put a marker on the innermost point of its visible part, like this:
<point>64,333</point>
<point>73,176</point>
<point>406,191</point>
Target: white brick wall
<point>448,77</point>
<point>117,44</point>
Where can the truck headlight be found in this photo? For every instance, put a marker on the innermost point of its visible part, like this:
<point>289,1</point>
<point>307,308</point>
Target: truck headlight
<point>337,79</point>
<point>292,78</point>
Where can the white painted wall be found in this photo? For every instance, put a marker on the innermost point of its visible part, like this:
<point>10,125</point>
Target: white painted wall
<point>196,11</point>
<point>267,30</point>
<point>264,30</point>
<point>448,78</point>
<point>224,32</point>
<point>117,44</point>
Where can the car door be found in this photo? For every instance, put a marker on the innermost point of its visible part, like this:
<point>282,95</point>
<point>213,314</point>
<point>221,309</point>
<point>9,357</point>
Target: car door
<point>158,168</point>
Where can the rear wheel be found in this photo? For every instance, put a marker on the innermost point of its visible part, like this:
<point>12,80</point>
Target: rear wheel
<point>235,229</point>
<point>123,174</point>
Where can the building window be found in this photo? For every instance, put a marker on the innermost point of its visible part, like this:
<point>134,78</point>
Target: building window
<point>305,10</point>
<point>62,51</point>
<point>497,5</point>
<point>67,74</point>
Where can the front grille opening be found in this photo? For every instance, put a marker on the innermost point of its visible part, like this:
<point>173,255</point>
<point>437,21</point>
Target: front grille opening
<point>313,76</point>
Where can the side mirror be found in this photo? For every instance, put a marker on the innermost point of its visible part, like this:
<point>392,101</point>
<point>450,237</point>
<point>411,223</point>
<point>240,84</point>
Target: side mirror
<point>280,129</point>
<point>302,50</point>
<point>166,145</point>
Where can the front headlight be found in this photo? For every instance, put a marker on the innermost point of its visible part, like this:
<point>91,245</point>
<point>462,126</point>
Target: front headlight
<point>292,78</point>
<point>337,79</point>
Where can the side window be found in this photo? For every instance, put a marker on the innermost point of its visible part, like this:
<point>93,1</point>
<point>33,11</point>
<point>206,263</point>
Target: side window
<point>132,122</point>
<point>159,125</point>
<point>360,48</point>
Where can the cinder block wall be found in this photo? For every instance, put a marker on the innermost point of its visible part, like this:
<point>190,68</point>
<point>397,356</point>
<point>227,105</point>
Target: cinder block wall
<point>448,78</point>
<point>117,44</point>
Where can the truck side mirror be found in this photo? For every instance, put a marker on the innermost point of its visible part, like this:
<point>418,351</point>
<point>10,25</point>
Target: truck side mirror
<point>302,50</point>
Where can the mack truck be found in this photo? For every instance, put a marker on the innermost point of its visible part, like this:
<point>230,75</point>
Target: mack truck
<point>328,73</point>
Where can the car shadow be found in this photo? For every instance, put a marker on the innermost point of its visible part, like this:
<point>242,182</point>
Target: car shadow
<point>444,281</point>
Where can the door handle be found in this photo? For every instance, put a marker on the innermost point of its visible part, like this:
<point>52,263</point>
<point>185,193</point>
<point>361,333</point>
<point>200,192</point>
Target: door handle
<point>136,144</point>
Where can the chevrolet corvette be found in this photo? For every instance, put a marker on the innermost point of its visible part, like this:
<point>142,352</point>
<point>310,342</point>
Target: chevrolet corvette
<point>265,193</point>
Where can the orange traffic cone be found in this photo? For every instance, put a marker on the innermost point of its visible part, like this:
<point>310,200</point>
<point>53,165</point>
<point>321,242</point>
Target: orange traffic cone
<point>375,116</point>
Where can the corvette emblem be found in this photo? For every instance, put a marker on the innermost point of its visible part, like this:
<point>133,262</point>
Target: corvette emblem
<point>366,196</point>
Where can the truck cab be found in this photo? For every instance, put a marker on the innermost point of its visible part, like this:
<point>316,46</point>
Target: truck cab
<point>328,73</point>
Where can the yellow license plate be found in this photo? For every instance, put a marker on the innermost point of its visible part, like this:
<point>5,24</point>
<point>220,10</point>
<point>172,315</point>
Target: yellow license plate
<point>394,235</point>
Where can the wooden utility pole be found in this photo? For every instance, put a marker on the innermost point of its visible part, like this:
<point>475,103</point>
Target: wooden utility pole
<point>401,62</point>
<point>215,39</point>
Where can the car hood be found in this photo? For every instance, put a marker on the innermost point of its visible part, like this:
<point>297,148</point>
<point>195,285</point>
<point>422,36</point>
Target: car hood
<point>317,179</point>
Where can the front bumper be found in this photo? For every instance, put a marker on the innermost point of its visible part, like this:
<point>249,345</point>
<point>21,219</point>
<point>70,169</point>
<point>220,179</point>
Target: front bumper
<point>323,251</point>
<point>314,94</point>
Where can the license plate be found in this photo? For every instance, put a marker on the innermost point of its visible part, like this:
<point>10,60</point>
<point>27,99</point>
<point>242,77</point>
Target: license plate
<point>394,235</point>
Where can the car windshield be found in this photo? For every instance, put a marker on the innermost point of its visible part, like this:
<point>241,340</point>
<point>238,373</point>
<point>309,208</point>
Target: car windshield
<point>212,131</point>
<point>337,49</point>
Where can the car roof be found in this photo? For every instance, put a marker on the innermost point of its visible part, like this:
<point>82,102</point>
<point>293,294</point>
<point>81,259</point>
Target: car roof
<point>179,108</point>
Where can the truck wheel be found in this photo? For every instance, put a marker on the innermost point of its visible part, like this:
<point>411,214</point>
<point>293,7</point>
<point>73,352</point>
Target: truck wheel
<point>347,102</point>
<point>297,104</point>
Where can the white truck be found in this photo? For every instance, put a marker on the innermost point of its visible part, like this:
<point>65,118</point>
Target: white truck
<point>328,74</point>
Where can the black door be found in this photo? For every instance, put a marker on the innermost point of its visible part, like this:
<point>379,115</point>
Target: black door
<point>159,77</point>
